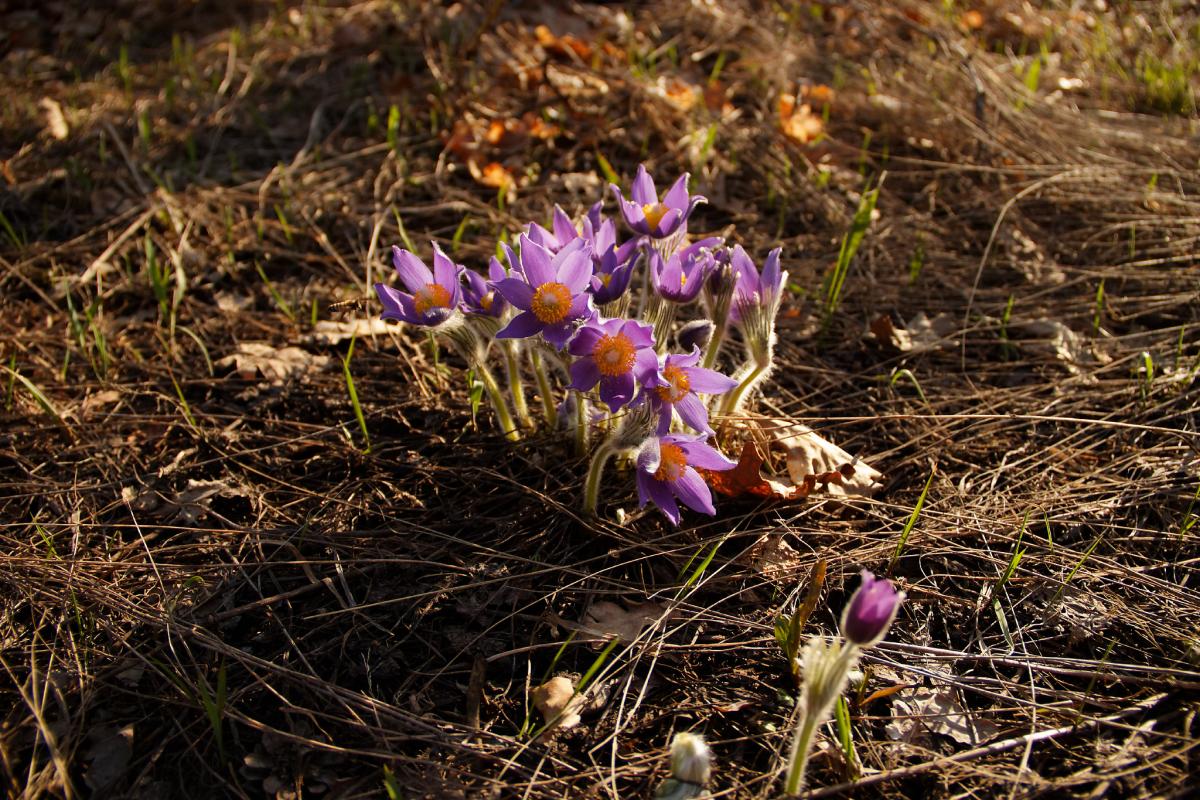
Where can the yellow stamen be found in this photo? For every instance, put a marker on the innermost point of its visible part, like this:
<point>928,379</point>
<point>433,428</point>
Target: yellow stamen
<point>654,213</point>
<point>614,355</point>
<point>678,385</point>
<point>431,295</point>
<point>671,464</point>
<point>551,303</point>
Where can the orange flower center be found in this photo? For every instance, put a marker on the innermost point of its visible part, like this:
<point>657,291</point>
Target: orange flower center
<point>654,213</point>
<point>551,303</point>
<point>678,385</point>
<point>614,355</point>
<point>431,295</point>
<point>671,464</point>
<point>486,301</point>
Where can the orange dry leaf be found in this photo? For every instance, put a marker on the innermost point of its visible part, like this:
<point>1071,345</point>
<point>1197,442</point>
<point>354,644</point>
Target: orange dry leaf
<point>495,132</point>
<point>811,463</point>
<point>680,93</point>
<point>800,125</point>
<point>565,45</point>
<point>818,95</point>
<point>496,175</point>
<point>971,20</point>
<point>460,140</point>
<point>538,128</point>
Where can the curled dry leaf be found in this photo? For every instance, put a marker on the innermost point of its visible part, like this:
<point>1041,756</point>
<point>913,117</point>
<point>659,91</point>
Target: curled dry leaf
<point>919,335</point>
<point>810,463</point>
<point>921,711</point>
<point>275,365</point>
<point>108,757</point>
<point>1054,339</point>
<point>772,556</point>
<point>558,703</point>
<point>606,619</point>
<point>565,46</point>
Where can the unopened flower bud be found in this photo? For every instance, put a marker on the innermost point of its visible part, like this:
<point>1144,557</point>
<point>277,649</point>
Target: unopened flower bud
<point>870,612</point>
<point>690,769</point>
<point>697,333</point>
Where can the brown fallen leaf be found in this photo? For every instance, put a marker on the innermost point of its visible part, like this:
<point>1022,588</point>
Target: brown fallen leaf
<point>328,331</point>
<point>608,619</point>
<point>920,334</point>
<point>811,462</point>
<point>108,757</point>
<point>275,365</point>
<point>772,556</point>
<point>921,711</point>
<point>565,46</point>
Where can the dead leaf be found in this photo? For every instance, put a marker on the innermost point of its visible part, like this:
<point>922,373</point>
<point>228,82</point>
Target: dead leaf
<point>7,171</point>
<point>679,93</point>
<point>607,619</point>
<point>108,756</point>
<point>275,365</point>
<point>329,332</point>
<point>921,334</point>
<point>565,46</point>
<point>1060,342</point>
<point>558,703</point>
<point>818,94</point>
<point>56,123</point>
<point>921,711</point>
<point>772,556</point>
<point>800,124</point>
<point>810,461</point>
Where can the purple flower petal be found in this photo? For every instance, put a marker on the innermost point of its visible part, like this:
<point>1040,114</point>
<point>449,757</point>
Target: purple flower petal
<point>704,456</point>
<point>564,229</point>
<point>694,492</point>
<point>575,271</point>
<point>708,381</point>
<point>670,222</point>
<point>693,412</point>
<point>445,271</point>
<point>645,363</point>
<point>412,270</point>
<point>663,498</point>
<point>616,390</point>
<point>535,262</point>
<point>515,291</point>
<point>677,195</point>
<point>396,305</point>
<point>642,191</point>
<point>522,326</point>
<point>558,335</point>
<point>585,340</point>
<point>584,375</point>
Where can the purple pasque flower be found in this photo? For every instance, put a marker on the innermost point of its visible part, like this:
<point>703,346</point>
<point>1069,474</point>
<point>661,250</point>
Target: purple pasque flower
<point>871,609</point>
<point>435,295</point>
<point>480,295</point>
<point>680,277</point>
<point>550,292</point>
<point>616,353</point>
<point>673,387</point>
<point>650,216</point>
<point>562,232</point>
<point>612,272</point>
<point>666,473</point>
<point>753,289</point>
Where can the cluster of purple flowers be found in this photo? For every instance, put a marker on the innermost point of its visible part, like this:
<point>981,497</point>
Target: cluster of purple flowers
<point>565,293</point>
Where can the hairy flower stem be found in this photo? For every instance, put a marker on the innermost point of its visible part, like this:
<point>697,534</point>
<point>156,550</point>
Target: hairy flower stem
<point>499,404</point>
<point>512,367</point>
<point>591,487</point>
<point>732,402</point>
<point>826,672</point>
<point>714,347</point>
<point>549,411</point>
<point>661,314</point>
<point>581,424</point>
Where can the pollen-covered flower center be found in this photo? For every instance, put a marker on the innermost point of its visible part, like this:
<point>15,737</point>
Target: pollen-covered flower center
<point>614,355</point>
<point>486,301</point>
<point>551,303</point>
<point>654,213</point>
<point>678,385</point>
<point>671,462</point>
<point>431,295</point>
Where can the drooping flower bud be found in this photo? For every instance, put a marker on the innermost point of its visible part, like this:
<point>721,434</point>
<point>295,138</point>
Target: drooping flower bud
<point>691,766</point>
<point>869,614</point>
<point>695,334</point>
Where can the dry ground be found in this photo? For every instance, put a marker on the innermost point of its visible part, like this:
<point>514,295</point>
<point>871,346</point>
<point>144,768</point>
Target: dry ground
<point>211,589</point>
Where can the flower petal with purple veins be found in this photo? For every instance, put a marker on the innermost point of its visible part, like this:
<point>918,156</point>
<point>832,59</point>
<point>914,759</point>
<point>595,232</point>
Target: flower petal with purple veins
<point>705,456</point>
<point>709,381</point>
<point>694,492</point>
<point>535,262</point>
<point>692,411</point>
<point>576,272</point>
<point>617,390</point>
<point>412,270</point>
<point>642,190</point>
<point>677,195</point>
<point>445,271</point>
